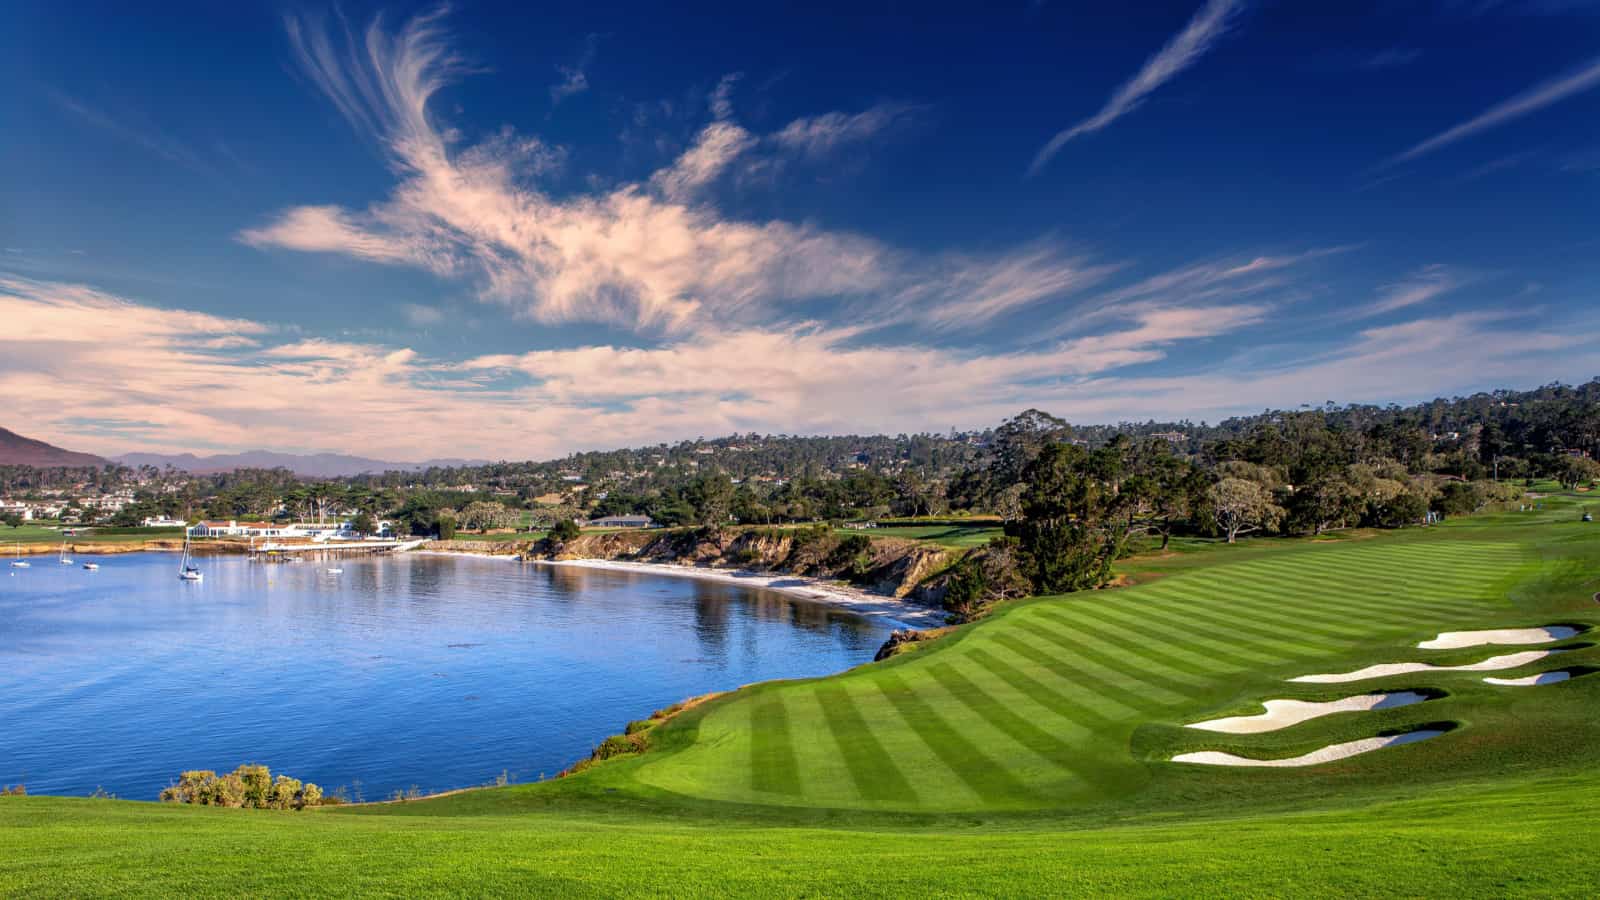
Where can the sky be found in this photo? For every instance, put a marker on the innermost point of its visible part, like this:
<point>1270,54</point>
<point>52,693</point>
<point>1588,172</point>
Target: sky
<point>510,232</point>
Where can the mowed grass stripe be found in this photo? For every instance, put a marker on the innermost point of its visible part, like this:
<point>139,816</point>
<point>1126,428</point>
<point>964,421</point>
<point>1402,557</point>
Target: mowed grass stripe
<point>1145,644</point>
<point>825,777</point>
<point>1047,746</point>
<point>773,768</point>
<point>1433,581</point>
<point>1273,631</point>
<point>1210,642</point>
<point>873,771</point>
<point>1325,600</point>
<point>1179,689</point>
<point>1096,686</point>
<point>987,778</point>
<point>1053,695</point>
<point>1177,612</point>
<point>1254,606</point>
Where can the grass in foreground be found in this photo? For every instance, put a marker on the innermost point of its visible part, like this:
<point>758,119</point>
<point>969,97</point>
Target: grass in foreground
<point>1027,754</point>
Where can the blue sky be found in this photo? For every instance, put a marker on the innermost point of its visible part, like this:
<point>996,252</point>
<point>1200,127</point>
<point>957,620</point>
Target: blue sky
<point>511,232</point>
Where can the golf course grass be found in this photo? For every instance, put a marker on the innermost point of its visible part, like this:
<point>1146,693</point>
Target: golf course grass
<point>1027,754</point>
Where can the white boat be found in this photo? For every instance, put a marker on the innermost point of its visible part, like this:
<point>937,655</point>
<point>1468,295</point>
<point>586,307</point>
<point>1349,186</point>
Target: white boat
<point>188,571</point>
<point>19,562</point>
<point>93,567</point>
<point>65,560</point>
<point>335,571</point>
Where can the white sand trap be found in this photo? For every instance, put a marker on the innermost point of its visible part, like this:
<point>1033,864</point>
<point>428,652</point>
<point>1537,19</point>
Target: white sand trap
<point>1493,663</point>
<point>1327,754</point>
<point>1283,713</point>
<point>1531,680</point>
<point>1451,640</point>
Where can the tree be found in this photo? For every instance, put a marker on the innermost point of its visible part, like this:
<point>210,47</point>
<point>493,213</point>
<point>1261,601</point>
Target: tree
<point>446,524</point>
<point>983,577</point>
<point>711,498</point>
<point>483,515</point>
<point>1330,501</point>
<point>1019,441</point>
<point>363,523</point>
<point>564,530</point>
<point>12,519</point>
<point>1063,530</point>
<point>1240,507</point>
<point>1576,471</point>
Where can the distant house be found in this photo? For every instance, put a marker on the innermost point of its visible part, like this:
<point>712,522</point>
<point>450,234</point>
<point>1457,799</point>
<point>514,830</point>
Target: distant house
<point>232,528</point>
<point>160,522</point>
<point>621,522</point>
<point>1171,437</point>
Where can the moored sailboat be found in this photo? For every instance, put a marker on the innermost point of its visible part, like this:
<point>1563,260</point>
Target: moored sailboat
<point>188,571</point>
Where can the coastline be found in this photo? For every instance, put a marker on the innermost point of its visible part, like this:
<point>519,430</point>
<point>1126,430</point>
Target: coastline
<point>894,612</point>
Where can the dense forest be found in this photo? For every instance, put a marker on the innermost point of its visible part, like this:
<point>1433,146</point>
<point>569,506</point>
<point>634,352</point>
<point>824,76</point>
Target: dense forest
<point>1090,487</point>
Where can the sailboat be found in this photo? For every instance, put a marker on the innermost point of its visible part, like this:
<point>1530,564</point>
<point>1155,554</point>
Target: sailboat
<point>188,571</point>
<point>19,562</point>
<point>65,560</point>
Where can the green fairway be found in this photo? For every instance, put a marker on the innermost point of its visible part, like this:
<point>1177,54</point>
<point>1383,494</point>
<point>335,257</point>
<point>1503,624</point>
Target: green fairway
<point>961,537</point>
<point>29,533</point>
<point>1029,753</point>
<point>503,537</point>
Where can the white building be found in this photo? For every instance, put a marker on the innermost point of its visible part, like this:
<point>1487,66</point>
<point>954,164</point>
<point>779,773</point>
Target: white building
<point>159,522</point>
<point>232,528</point>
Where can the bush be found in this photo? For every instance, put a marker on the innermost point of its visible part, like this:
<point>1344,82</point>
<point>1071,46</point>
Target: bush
<point>249,786</point>
<point>1399,511</point>
<point>619,745</point>
<point>13,790</point>
<point>564,530</point>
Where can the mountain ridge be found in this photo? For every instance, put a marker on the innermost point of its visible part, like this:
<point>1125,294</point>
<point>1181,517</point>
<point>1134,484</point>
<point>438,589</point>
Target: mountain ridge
<point>16,450</point>
<point>313,465</point>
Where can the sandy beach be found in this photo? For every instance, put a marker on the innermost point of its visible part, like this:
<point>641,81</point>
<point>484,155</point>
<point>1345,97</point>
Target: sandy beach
<point>896,613</point>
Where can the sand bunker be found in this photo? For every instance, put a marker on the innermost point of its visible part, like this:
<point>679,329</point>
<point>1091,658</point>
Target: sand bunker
<point>1329,753</point>
<point>1451,640</point>
<point>1531,680</point>
<point>1493,663</point>
<point>1283,713</point>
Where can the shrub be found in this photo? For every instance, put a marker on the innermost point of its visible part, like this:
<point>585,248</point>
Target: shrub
<point>257,785</point>
<point>13,790</point>
<point>250,786</point>
<point>616,745</point>
<point>564,530</point>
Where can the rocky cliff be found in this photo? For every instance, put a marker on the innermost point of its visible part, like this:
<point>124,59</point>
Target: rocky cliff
<point>896,568</point>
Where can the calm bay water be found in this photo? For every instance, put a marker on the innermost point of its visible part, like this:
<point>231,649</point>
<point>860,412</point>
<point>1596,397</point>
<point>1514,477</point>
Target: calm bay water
<point>438,672</point>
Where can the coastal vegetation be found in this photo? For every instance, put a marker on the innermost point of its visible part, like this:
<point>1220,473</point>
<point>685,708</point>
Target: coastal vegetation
<point>1301,471</point>
<point>248,786</point>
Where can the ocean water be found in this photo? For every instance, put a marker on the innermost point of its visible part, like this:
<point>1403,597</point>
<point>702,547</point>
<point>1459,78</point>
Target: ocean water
<point>428,671</point>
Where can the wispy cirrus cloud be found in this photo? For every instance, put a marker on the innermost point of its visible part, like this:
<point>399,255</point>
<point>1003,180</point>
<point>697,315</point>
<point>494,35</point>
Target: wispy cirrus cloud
<point>814,137</point>
<point>1209,24</point>
<point>144,136</point>
<point>575,78</point>
<point>1583,78</point>
<point>1390,58</point>
<point>653,255</point>
<point>1419,287</point>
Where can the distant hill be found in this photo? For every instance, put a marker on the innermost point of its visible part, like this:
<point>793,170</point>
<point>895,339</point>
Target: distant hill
<point>16,450</point>
<point>314,465</point>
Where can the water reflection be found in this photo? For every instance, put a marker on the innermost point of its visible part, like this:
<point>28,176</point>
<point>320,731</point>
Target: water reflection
<point>434,671</point>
